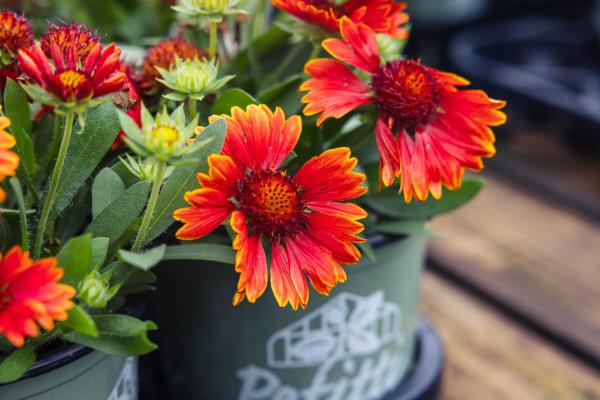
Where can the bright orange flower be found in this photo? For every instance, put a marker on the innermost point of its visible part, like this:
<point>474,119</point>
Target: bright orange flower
<point>440,130</point>
<point>67,35</point>
<point>302,218</point>
<point>383,16</point>
<point>163,55</point>
<point>30,293</point>
<point>9,160</point>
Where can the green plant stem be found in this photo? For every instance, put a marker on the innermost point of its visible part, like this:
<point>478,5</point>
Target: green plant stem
<point>286,64</point>
<point>50,197</point>
<point>156,185</point>
<point>192,109</point>
<point>315,52</point>
<point>54,145</point>
<point>16,186</point>
<point>212,44</point>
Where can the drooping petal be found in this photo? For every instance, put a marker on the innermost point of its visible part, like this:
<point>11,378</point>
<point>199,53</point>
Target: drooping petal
<point>389,153</point>
<point>250,261</point>
<point>334,90</point>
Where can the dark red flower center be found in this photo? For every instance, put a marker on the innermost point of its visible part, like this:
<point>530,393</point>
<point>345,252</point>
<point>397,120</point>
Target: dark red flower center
<point>272,204</point>
<point>407,92</point>
<point>72,82</point>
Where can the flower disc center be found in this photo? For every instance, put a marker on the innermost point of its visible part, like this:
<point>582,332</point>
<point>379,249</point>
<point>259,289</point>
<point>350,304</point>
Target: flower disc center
<point>407,92</point>
<point>272,203</point>
<point>72,82</point>
<point>165,136</point>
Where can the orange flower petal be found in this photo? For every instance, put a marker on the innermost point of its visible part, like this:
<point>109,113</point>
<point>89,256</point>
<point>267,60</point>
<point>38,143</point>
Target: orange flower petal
<point>329,177</point>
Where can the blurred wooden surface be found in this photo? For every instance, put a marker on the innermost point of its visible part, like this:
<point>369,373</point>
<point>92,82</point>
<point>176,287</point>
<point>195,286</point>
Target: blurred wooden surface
<point>539,260</point>
<point>489,357</point>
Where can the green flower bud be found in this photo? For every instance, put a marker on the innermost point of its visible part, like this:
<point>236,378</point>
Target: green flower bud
<point>192,78</point>
<point>164,138</point>
<point>214,9</point>
<point>94,291</point>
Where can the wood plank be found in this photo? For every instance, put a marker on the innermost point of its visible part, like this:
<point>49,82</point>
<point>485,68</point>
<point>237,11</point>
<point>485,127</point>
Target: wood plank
<point>487,357</point>
<point>537,259</point>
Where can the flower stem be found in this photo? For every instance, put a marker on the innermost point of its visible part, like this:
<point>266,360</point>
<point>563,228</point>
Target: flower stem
<point>49,201</point>
<point>212,46</point>
<point>143,231</point>
<point>16,186</point>
<point>316,51</point>
<point>192,109</point>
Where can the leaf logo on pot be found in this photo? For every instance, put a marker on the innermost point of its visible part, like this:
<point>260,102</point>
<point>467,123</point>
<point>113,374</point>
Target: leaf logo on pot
<point>355,335</point>
<point>346,327</point>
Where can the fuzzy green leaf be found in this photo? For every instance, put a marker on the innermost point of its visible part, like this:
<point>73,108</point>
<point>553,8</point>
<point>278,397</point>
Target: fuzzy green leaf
<point>75,257</point>
<point>285,95</point>
<point>121,213</point>
<point>145,260</point>
<point>231,98</point>
<point>183,179</point>
<point>16,365</point>
<point>80,321</point>
<point>86,151</point>
<point>17,109</point>
<point>99,250</point>
<point>201,252</point>
<point>119,335</point>
<point>106,188</point>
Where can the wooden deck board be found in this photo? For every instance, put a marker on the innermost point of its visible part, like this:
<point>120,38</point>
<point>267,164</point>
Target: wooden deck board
<point>488,357</point>
<point>539,260</point>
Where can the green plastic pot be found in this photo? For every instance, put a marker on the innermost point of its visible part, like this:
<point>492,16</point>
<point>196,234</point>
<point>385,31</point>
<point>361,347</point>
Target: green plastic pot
<point>356,344</point>
<point>76,373</point>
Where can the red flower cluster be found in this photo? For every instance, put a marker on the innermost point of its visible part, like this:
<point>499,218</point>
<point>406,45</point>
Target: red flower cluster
<point>15,34</point>
<point>440,130</point>
<point>383,16</point>
<point>68,35</point>
<point>69,80</point>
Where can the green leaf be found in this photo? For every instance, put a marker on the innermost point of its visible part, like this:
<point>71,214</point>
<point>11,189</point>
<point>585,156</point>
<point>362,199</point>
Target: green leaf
<point>145,260</point>
<point>392,204</point>
<point>16,365</point>
<point>119,335</point>
<point>403,227</point>
<point>106,188</point>
<point>17,109</point>
<point>76,257</point>
<point>230,98</point>
<point>16,106</point>
<point>201,252</point>
<point>183,179</point>
<point>121,213</point>
<point>285,95</point>
<point>80,321</point>
<point>86,151</point>
<point>99,251</point>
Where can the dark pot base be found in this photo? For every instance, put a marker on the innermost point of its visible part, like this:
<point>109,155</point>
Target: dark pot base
<point>424,380</point>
